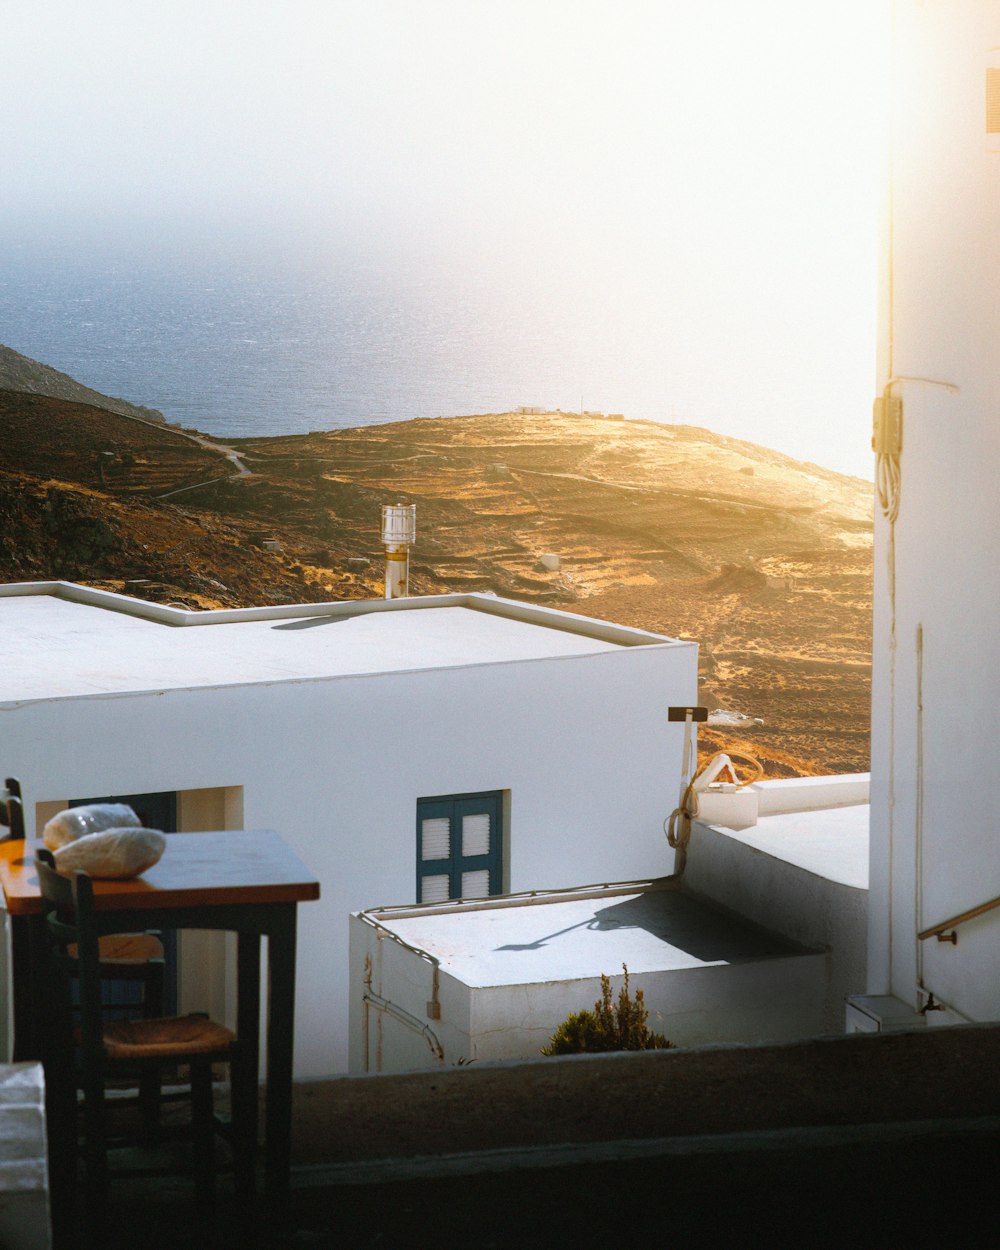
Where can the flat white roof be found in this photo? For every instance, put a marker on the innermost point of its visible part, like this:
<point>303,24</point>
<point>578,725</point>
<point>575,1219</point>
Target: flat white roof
<point>61,641</point>
<point>568,935</point>
<point>828,842</point>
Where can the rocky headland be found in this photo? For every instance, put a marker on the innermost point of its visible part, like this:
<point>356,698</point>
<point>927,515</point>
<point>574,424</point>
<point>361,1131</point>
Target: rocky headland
<point>21,373</point>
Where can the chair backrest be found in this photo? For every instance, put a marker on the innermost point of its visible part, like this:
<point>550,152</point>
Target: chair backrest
<point>70,920</point>
<point>12,809</point>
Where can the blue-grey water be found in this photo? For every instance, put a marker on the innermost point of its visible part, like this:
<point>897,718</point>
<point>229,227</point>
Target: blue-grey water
<point>234,348</point>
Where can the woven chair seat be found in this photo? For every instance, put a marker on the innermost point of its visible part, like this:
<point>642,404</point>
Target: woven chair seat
<point>174,1037</point>
<point>125,948</point>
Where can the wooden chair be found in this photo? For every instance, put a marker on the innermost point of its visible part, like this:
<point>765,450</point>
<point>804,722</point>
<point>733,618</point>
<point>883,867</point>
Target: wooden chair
<point>131,957</point>
<point>12,811</point>
<point>108,1050</point>
<point>123,956</point>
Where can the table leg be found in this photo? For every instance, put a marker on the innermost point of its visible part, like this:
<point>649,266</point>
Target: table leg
<point>26,951</point>
<point>248,1011</point>
<point>53,1031</point>
<point>280,1044</point>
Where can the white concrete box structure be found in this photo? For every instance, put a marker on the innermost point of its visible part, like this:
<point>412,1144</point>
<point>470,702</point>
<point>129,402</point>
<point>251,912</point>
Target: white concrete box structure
<point>330,723</point>
<point>494,979</point>
<point>763,938</point>
<point>936,680</point>
<point>24,1165</point>
<point>801,870</point>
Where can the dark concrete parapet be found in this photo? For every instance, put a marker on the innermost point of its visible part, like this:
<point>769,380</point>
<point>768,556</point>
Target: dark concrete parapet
<point>942,1075</point>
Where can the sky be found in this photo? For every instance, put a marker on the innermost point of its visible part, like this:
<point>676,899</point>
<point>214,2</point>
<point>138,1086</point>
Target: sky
<point>711,170</point>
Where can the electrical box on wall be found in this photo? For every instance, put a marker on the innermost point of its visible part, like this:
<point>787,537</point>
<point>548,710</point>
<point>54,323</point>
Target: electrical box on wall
<point>993,100</point>
<point>887,424</point>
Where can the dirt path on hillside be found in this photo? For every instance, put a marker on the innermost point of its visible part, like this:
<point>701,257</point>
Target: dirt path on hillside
<point>200,440</point>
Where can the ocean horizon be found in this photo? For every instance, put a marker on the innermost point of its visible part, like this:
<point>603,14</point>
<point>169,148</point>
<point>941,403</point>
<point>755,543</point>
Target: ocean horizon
<point>238,352</point>
<point>237,345</point>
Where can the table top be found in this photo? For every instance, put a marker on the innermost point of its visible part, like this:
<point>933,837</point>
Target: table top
<point>197,869</point>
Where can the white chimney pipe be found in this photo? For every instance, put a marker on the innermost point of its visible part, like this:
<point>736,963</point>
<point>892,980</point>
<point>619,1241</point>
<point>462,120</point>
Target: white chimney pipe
<point>399,530</point>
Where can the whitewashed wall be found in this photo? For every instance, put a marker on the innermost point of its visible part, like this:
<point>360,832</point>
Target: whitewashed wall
<point>804,906</point>
<point>936,703</point>
<point>336,766</point>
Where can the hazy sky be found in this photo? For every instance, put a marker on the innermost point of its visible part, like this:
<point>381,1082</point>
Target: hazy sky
<point>712,167</point>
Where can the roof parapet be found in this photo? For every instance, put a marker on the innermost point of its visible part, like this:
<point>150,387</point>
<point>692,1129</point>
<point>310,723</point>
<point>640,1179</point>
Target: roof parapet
<point>550,618</point>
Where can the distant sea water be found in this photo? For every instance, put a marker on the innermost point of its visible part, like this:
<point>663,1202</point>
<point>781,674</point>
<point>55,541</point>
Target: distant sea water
<point>236,350</point>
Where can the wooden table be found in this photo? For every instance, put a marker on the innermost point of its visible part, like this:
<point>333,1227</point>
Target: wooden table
<point>246,882</point>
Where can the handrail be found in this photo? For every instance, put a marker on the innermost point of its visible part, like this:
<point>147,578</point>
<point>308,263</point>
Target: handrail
<point>945,932</point>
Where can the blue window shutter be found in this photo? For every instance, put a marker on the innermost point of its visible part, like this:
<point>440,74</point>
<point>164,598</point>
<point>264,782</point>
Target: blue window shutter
<point>459,836</point>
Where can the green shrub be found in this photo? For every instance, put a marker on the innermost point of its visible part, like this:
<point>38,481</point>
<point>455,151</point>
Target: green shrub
<point>610,1026</point>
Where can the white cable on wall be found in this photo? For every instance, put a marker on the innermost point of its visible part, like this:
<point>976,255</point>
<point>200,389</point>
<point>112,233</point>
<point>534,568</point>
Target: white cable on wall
<point>888,445</point>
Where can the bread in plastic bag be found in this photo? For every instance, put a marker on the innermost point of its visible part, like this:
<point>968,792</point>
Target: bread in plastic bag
<point>78,822</point>
<point>115,853</point>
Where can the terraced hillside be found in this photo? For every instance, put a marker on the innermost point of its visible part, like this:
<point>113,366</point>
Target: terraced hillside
<point>763,560</point>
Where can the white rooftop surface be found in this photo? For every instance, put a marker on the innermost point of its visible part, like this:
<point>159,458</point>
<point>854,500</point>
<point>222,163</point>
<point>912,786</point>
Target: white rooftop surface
<point>51,647</point>
<point>828,842</point>
<point>494,944</point>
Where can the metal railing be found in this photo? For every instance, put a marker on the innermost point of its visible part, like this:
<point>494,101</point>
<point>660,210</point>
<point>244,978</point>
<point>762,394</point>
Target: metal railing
<point>945,932</point>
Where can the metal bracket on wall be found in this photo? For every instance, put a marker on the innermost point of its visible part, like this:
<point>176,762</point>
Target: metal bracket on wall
<point>687,713</point>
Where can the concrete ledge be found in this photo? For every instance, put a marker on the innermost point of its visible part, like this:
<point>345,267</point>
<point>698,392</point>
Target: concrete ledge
<point>985,1129</point>
<point>871,1141</point>
<point>806,794</point>
<point>876,1079</point>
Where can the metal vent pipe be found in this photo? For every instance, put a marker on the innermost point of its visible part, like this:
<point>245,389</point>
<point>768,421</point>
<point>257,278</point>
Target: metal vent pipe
<point>399,530</point>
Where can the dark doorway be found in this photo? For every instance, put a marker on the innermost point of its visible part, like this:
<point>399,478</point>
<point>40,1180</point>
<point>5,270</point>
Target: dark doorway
<point>155,811</point>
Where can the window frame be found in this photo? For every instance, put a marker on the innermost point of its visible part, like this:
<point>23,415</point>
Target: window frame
<point>454,807</point>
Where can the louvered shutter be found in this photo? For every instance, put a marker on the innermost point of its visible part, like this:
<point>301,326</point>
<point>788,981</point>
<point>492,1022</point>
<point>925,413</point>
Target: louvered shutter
<point>459,847</point>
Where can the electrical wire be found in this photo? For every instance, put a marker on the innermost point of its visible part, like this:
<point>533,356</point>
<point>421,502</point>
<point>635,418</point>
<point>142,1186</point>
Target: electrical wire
<point>888,481</point>
<point>677,825</point>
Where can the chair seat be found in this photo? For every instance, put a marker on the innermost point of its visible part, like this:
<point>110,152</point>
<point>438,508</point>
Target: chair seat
<point>125,948</point>
<point>174,1037</point>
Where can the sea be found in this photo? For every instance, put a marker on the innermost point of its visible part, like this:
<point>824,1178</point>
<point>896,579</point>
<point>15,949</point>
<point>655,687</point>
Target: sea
<point>251,348</point>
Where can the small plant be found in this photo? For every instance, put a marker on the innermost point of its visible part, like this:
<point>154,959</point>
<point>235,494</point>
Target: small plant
<point>610,1026</point>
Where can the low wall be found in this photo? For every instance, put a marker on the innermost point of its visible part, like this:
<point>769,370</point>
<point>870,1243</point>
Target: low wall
<point>804,905</point>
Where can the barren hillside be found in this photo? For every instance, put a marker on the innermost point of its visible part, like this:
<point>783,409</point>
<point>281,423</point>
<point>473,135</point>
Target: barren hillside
<point>765,561</point>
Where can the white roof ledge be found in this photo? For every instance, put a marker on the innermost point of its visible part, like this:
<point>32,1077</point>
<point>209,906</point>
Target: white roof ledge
<point>809,794</point>
<point>550,618</point>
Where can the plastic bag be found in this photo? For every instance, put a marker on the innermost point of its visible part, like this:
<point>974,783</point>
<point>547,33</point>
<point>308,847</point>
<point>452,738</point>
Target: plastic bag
<point>114,853</point>
<point>78,822</point>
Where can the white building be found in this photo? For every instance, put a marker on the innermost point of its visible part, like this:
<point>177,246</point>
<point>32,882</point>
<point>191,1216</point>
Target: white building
<point>347,728</point>
<point>761,940</point>
<point>936,700</point>
<point>330,723</point>
<point>494,980</point>
<point>934,904</point>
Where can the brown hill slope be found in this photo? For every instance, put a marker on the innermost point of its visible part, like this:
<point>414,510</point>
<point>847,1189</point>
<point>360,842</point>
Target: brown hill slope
<point>82,498</point>
<point>765,561</point>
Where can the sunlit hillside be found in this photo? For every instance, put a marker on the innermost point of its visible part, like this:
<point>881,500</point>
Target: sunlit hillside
<point>765,561</point>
